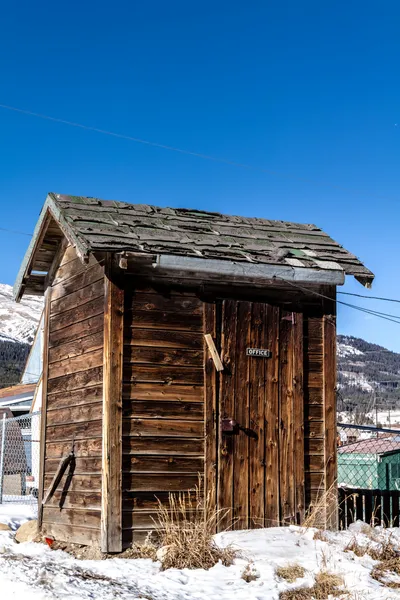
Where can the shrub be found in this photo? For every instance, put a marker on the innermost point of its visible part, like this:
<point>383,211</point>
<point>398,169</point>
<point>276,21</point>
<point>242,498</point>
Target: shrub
<point>186,527</point>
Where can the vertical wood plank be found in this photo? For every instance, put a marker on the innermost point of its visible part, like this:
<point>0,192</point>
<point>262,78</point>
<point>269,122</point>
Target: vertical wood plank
<point>329,378</point>
<point>111,499</point>
<point>342,509</point>
<point>359,507</point>
<point>298,416</point>
<point>210,407</point>
<point>385,508</point>
<point>43,410</point>
<point>257,416</point>
<point>272,517</point>
<point>227,411</point>
<point>395,508</point>
<point>286,448</point>
<point>242,441</point>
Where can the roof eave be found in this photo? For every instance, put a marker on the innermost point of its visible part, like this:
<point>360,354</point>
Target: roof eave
<point>249,271</point>
<point>50,209</point>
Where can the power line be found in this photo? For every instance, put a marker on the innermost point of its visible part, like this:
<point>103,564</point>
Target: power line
<point>354,306</point>
<point>201,155</point>
<point>14,231</point>
<point>370,297</point>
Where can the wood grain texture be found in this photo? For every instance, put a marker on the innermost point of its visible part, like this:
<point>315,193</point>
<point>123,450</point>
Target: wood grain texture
<point>74,395</point>
<point>91,411</point>
<point>329,328</point>
<point>88,343</point>
<point>76,331</point>
<point>164,409</point>
<point>244,446</point>
<point>43,417</point>
<point>211,382</point>
<point>111,506</point>
<point>86,536</point>
<point>79,297</point>
<point>78,363</point>
<point>168,446</point>
<point>163,374</point>
<point>226,446</point>
<point>75,381</point>
<point>163,356</point>
<point>165,338</point>
<point>272,420</point>
<point>257,369</point>
<point>298,417</point>
<point>286,418</point>
<point>165,427</point>
<point>163,396</point>
<point>163,391</point>
<point>79,313</point>
<point>213,352</point>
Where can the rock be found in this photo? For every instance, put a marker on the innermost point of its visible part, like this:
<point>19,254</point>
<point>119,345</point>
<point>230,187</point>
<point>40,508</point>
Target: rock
<point>4,527</point>
<point>162,552</point>
<point>27,532</point>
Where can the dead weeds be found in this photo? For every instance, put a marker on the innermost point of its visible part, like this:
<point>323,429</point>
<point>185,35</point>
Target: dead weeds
<point>326,585</point>
<point>290,572</point>
<point>385,569</point>
<point>250,574</point>
<point>186,527</point>
<point>383,550</point>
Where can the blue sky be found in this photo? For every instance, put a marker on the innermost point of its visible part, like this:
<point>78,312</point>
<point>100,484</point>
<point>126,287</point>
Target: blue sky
<point>309,91</point>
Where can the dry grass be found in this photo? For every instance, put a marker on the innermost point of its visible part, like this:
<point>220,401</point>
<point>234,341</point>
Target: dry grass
<point>290,572</point>
<point>321,536</point>
<point>186,527</point>
<point>146,550</point>
<point>386,568</point>
<point>322,510</point>
<point>382,551</point>
<point>354,546</point>
<point>326,585</point>
<point>250,574</point>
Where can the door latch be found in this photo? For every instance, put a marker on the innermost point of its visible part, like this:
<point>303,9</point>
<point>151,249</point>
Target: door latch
<point>232,427</point>
<point>229,426</point>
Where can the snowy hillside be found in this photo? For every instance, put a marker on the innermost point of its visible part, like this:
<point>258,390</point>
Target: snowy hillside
<point>368,377</point>
<point>18,322</point>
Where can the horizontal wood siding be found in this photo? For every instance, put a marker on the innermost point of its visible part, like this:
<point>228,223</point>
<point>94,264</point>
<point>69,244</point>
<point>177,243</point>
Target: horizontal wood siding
<point>163,410</point>
<point>74,400</point>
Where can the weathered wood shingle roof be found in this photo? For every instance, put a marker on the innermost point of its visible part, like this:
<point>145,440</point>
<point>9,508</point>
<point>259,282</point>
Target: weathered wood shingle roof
<point>105,225</point>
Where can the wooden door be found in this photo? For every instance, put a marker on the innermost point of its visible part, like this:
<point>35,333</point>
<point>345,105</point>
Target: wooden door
<point>260,470</point>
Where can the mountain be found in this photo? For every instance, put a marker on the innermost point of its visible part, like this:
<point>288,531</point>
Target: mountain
<point>18,321</point>
<point>18,324</point>
<point>368,380</point>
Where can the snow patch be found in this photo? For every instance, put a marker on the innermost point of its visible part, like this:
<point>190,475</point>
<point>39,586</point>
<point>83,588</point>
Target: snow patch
<point>18,321</point>
<point>357,380</point>
<point>344,350</point>
<point>35,572</point>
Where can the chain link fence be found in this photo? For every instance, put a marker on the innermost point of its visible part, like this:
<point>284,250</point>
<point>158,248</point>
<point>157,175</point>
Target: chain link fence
<point>368,457</point>
<point>19,459</point>
<point>368,475</point>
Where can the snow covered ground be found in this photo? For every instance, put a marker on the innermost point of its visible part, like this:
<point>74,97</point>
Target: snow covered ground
<point>32,571</point>
<point>14,514</point>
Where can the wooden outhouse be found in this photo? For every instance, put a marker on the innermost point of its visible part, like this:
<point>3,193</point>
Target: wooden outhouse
<point>179,342</point>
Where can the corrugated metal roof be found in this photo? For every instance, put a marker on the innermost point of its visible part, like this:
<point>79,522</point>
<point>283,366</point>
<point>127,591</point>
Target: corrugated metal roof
<point>17,390</point>
<point>372,446</point>
<point>117,226</point>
